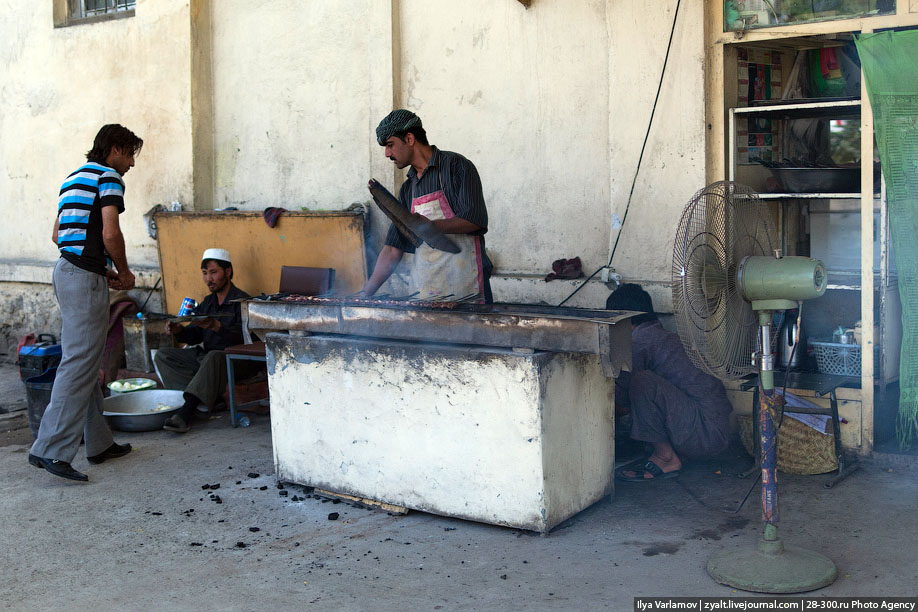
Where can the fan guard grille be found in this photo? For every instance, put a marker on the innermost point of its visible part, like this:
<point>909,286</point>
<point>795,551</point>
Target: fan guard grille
<point>722,224</point>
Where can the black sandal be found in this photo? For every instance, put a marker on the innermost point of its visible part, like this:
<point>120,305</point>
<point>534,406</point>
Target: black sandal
<point>656,473</point>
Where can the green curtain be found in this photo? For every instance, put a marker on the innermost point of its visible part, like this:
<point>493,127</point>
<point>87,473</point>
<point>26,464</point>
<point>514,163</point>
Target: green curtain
<point>890,62</point>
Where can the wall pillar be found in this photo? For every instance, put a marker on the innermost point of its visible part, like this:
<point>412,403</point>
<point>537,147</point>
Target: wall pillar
<point>202,105</point>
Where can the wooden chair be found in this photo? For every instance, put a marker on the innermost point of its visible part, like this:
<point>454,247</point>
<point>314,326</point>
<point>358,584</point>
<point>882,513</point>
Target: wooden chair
<point>294,279</point>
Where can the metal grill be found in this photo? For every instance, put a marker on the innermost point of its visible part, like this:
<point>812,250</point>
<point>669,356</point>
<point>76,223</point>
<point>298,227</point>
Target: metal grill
<point>516,326</point>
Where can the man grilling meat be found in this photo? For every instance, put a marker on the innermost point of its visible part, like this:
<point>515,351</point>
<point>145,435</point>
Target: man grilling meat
<point>445,188</point>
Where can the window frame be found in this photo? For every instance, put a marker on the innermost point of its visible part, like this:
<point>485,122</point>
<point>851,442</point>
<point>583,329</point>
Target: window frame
<point>70,12</point>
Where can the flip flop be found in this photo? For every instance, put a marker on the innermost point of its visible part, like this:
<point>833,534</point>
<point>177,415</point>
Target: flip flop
<point>650,467</point>
<point>639,461</point>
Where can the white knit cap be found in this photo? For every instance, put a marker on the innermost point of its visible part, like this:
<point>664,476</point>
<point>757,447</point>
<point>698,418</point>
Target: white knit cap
<point>221,254</point>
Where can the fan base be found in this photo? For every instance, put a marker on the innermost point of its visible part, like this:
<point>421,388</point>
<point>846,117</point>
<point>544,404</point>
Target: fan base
<point>773,568</point>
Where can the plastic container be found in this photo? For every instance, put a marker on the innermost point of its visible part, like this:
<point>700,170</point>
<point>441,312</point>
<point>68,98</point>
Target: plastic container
<point>839,358</point>
<point>36,359</point>
<point>38,393</point>
<point>243,419</point>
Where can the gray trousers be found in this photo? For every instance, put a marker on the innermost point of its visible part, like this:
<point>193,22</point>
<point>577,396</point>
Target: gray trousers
<point>75,410</point>
<point>194,371</point>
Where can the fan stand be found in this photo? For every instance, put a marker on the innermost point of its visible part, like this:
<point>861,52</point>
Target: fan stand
<point>772,567</point>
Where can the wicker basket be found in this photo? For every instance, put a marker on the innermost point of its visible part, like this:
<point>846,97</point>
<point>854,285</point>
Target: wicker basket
<point>801,449</point>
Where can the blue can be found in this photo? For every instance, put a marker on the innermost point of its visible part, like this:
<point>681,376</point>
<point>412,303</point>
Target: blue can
<point>188,305</point>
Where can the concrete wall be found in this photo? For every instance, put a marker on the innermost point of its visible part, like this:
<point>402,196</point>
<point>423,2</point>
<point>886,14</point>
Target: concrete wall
<point>672,168</point>
<point>57,87</point>
<point>256,103</point>
<point>291,93</point>
<point>551,103</point>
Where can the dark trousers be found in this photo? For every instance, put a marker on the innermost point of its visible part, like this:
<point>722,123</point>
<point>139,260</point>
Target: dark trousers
<point>197,372</point>
<point>661,412</point>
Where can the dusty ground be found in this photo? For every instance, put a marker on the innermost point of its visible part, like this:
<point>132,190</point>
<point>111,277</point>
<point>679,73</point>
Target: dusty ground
<point>143,534</point>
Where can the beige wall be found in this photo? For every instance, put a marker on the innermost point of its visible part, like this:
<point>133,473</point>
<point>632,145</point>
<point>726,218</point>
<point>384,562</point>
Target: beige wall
<point>550,103</point>
<point>524,95</point>
<point>275,102</point>
<point>59,85</point>
<point>672,168</point>
<point>291,96</point>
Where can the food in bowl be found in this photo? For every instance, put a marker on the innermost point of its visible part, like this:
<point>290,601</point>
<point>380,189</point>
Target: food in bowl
<point>142,410</point>
<point>131,384</point>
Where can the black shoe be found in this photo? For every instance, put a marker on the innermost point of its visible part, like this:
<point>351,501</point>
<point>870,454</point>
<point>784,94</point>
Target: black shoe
<point>177,424</point>
<point>112,452</point>
<point>58,468</point>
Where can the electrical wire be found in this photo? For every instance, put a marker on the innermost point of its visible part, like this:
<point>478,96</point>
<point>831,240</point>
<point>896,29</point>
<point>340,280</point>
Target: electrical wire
<point>637,169</point>
<point>791,359</point>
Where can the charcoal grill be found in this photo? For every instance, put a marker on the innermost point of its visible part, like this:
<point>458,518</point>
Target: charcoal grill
<point>529,326</point>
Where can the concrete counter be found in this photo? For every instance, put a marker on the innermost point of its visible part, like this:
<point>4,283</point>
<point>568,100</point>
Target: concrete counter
<point>517,438</point>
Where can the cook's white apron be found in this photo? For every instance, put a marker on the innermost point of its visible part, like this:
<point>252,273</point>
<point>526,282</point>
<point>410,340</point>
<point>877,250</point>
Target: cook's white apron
<point>438,273</point>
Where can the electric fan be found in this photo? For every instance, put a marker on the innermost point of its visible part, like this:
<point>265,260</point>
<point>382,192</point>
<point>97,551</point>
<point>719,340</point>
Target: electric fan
<point>728,280</point>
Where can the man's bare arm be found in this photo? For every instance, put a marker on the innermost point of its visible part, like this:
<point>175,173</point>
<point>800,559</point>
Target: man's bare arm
<point>385,264</point>
<point>114,245</point>
<point>57,224</point>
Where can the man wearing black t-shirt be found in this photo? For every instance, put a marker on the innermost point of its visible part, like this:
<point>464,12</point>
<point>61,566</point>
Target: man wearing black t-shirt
<point>88,235</point>
<point>200,371</point>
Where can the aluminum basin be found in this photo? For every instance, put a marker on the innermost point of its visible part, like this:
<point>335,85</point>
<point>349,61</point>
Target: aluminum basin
<point>138,411</point>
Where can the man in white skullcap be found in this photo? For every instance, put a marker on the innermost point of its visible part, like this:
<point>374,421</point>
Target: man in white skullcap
<point>200,371</point>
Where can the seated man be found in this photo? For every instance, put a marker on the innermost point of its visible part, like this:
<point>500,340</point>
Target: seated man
<point>674,406</point>
<point>200,371</point>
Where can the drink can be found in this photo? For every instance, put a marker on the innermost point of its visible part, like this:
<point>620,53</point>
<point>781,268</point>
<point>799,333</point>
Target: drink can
<point>188,305</point>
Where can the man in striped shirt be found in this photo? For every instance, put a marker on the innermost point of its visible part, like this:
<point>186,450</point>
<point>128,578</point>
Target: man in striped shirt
<point>88,235</point>
<point>445,188</point>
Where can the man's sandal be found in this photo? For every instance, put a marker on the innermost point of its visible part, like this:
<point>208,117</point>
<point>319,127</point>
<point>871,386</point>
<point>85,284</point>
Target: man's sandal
<point>648,468</point>
<point>177,424</point>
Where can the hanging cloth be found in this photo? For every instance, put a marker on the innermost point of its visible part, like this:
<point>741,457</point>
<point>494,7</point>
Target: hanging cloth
<point>891,73</point>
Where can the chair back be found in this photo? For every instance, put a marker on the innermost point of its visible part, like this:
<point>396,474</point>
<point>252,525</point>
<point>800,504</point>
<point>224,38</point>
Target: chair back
<point>306,281</point>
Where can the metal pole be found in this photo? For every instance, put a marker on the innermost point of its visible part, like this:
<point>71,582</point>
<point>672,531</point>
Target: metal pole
<point>767,435</point>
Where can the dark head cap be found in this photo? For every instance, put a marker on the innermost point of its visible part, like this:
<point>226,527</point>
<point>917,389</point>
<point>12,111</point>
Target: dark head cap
<point>399,120</point>
<point>631,296</point>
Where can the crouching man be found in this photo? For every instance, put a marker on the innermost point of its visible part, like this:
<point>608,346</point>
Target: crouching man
<point>676,408</point>
<point>200,371</point>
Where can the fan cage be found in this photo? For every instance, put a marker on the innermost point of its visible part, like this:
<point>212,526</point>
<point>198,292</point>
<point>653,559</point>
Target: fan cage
<point>720,225</point>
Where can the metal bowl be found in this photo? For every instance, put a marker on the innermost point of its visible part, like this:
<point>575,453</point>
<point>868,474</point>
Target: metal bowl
<point>138,411</point>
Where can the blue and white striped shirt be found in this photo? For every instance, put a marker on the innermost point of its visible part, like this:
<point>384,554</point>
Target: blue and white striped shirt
<point>79,213</point>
